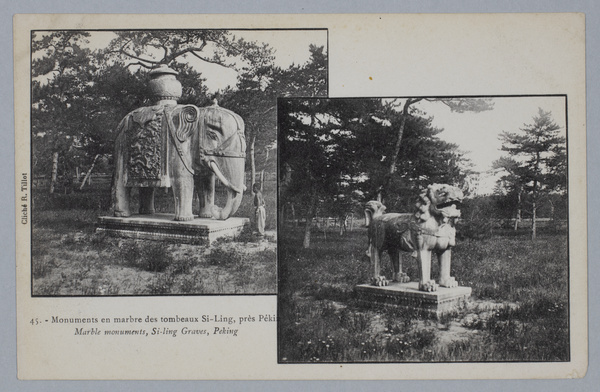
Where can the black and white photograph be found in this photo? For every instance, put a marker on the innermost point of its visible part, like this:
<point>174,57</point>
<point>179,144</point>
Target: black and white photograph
<point>423,229</point>
<point>153,157</point>
<point>300,197</point>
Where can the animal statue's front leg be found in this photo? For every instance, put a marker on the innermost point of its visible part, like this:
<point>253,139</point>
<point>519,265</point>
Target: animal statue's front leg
<point>424,263</point>
<point>378,279</point>
<point>445,279</point>
<point>396,258</point>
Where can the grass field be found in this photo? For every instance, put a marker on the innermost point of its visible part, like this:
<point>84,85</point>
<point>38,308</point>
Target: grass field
<point>518,311</point>
<point>69,258</point>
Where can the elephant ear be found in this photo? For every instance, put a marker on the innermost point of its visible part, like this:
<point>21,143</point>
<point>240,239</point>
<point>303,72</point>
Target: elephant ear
<point>184,122</point>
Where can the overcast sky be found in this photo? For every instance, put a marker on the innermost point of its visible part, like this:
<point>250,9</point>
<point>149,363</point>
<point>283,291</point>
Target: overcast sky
<point>477,133</point>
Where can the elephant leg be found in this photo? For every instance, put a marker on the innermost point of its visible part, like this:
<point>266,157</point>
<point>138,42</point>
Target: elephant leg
<point>120,193</point>
<point>445,279</point>
<point>205,186</point>
<point>121,200</point>
<point>146,201</point>
<point>183,192</point>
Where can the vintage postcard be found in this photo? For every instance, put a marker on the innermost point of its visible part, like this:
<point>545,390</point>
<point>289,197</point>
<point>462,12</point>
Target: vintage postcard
<point>232,197</point>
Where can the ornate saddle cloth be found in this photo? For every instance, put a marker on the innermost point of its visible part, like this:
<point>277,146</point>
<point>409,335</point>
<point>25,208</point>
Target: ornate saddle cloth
<point>150,131</point>
<point>146,147</point>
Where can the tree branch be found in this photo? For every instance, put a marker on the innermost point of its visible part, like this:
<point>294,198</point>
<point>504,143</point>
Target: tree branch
<point>165,49</point>
<point>269,109</point>
<point>122,50</point>
<point>193,52</point>
<point>139,63</point>
<point>142,59</point>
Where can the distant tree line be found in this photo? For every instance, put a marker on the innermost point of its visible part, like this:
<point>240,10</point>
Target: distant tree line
<point>336,154</point>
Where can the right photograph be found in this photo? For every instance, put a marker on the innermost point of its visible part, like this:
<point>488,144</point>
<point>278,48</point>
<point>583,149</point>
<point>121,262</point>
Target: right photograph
<point>423,229</point>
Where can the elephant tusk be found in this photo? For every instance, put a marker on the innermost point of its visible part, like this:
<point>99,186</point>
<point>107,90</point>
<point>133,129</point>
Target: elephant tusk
<point>215,168</point>
<point>367,218</point>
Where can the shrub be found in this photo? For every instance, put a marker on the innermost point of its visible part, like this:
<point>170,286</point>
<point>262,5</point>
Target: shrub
<point>130,253</point>
<point>478,218</point>
<point>191,284</point>
<point>147,255</point>
<point>182,266</point>
<point>40,267</point>
<point>223,257</point>
<point>477,226</point>
<point>97,199</point>
<point>161,284</point>
<point>247,235</point>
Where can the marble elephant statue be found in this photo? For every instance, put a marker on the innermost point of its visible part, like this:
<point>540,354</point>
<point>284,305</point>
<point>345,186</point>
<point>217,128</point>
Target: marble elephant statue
<point>431,229</point>
<point>184,147</point>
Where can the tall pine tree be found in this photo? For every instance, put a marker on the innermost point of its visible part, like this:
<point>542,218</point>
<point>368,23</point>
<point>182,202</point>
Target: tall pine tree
<point>539,150</point>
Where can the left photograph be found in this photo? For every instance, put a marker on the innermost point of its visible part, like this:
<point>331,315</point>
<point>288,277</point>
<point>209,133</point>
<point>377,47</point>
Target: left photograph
<point>154,157</point>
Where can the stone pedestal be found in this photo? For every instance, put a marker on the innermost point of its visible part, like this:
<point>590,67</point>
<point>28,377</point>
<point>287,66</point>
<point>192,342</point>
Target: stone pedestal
<point>408,296</point>
<point>162,227</point>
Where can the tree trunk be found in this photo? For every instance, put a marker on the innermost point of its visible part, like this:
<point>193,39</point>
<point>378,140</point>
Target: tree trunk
<point>534,199</point>
<point>89,172</point>
<point>519,209</point>
<point>400,133</point>
<point>282,215</point>
<point>310,214</point>
<point>307,226</point>
<point>54,171</point>
<point>252,161</point>
<point>397,146</point>
<point>262,172</point>
<point>533,220</point>
<point>262,179</point>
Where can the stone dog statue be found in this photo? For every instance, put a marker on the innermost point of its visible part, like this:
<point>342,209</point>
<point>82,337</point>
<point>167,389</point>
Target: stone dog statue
<point>430,229</point>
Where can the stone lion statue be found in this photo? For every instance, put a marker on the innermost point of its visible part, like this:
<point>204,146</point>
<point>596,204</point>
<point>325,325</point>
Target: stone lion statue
<point>430,229</point>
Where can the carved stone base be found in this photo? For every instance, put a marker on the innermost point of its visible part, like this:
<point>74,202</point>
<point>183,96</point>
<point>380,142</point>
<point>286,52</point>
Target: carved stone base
<point>408,296</point>
<point>162,227</point>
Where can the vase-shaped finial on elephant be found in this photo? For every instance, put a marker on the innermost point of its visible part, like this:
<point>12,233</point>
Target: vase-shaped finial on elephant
<point>180,146</point>
<point>431,229</point>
